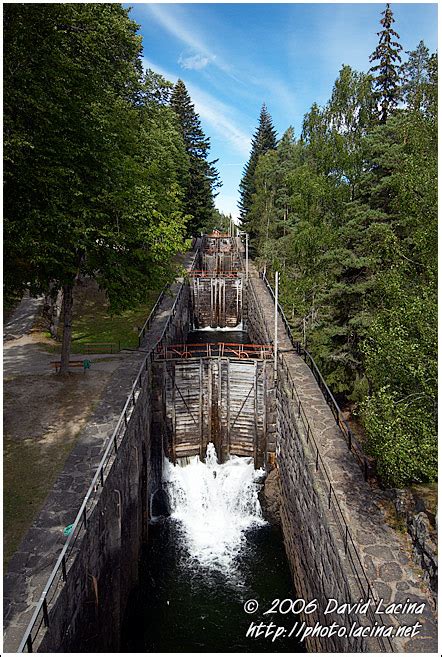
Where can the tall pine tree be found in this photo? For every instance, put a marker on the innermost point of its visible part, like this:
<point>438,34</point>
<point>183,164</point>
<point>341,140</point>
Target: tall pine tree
<point>387,80</point>
<point>203,178</point>
<point>263,141</point>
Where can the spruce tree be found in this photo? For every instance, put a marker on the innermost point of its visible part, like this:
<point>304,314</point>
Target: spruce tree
<point>387,80</point>
<point>263,141</point>
<point>203,178</point>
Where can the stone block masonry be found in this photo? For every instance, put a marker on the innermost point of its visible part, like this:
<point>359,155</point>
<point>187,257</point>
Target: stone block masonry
<point>88,613</point>
<point>108,550</point>
<point>314,543</point>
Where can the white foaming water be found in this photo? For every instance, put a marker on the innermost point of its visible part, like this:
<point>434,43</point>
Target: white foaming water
<point>225,329</point>
<point>215,504</point>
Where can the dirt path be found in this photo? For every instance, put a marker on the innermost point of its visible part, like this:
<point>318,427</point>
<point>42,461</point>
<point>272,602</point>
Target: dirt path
<point>22,319</point>
<point>43,416</point>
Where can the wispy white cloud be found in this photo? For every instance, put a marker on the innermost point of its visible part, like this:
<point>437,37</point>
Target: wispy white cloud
<point>194,62</point>
<point>215,112</point>
<point>173,19</point>
<point>177,28</point>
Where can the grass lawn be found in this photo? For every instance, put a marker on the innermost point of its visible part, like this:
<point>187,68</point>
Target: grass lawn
<point>29,474</point>
<point>92,321</point>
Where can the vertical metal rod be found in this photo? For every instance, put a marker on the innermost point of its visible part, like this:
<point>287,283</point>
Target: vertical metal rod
<point>45,613</point>
<point>63,568</point>
<point>275,342</point>
<point>247,256</point>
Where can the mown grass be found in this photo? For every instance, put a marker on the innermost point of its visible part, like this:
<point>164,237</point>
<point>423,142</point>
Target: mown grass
<point>93,321</point>
<point>29,474</point>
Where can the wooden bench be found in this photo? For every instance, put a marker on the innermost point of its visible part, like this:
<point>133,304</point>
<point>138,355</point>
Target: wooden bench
<point>72,363</point>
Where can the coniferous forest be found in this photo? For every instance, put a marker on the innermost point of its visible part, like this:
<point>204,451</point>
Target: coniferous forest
<point>347,214</point>
<point>107,174</point>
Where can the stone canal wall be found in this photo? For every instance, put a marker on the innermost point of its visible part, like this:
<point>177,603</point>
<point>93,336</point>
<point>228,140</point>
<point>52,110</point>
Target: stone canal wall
<point>85,612</point>
<point>87,615</point>
<point>254,320</point>
<point>257,328</point>
<point>314,547</point>
<point>377,561</point>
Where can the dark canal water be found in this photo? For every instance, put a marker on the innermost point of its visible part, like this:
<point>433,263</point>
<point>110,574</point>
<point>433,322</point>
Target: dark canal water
<point>213,554</point>
<point>203,563</point>
<point>182,607</point>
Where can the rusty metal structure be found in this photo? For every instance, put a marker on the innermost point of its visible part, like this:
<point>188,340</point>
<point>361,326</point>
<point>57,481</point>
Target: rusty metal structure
<point>216,283</point>
<point>216,392</point>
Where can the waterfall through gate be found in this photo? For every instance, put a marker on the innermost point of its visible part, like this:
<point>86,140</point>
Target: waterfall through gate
<point>215,505</point>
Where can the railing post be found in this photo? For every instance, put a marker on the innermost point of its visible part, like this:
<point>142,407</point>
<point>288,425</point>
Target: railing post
<point>45,613</point>
<point>63,569</point>
<point>275,341</point>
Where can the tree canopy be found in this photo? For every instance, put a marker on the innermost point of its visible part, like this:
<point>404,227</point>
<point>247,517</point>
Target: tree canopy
<point>348,214</point>
<point>94,159</point>
<point>387,70</point>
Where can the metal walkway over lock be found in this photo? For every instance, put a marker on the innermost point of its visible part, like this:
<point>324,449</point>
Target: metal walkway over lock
<point>214,349</point>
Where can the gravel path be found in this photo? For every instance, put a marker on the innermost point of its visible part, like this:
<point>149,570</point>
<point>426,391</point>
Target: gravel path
<point>22,318</point>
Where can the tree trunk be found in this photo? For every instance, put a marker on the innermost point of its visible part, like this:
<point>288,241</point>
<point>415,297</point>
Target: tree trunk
<point>51,310</point>
<point>68,298</point>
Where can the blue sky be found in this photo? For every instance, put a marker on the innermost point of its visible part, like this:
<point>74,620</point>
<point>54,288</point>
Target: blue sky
<point>234,57</point>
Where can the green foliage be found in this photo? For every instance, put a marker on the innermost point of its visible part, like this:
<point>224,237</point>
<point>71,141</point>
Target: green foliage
<point>93,157</point>
<point>219,221</point>
<point>263,140</point>
<point>401,439</point>
<point>415,76</point>
<point>348,215</point>
<point>387,80</point>
<point>203,178</point>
